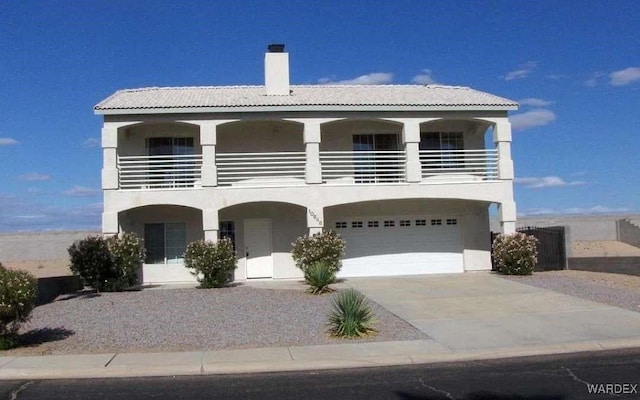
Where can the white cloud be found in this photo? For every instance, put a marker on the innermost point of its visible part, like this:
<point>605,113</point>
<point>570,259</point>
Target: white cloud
<point>625,76</point>
<point>599,209</point>
<point>535,102</point>
<point>374,78</point>
<point>7,141</point>
<point>531,119</point>
<point>545,182</point>
<point>34,176</point>
<point>25,214</point>
<point>593,80</point>
<point>425,78</point>
<point>81,191</point>
<point>522,72</point>
<point>91,142</point>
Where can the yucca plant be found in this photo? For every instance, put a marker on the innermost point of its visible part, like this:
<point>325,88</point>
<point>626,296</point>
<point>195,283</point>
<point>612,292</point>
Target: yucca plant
<point>319,276</point>
<point>351,315</point>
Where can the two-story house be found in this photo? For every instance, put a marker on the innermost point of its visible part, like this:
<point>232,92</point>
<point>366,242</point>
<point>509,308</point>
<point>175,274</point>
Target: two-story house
<point>402,172</point>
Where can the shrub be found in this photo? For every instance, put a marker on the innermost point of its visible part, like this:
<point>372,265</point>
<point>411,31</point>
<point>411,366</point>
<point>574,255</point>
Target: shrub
<point>211,262</point>
<point>326,246</point>
<point>107,264</point>
<point>18,291</point>
<point>515,254</point>
<point>350,316</point>
<point>319,276</point>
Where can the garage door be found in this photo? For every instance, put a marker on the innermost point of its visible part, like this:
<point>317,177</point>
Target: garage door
<point>382,246</point>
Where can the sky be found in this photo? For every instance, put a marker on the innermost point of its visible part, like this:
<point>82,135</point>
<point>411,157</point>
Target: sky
<point>574,67</point>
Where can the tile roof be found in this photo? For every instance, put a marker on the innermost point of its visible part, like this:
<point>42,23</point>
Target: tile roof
<point>302,97</point>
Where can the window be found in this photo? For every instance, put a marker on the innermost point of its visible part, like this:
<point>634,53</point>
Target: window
<point>405,222</point>
<point>372,224</point>
<point>436,222</point>
<point>165,242</point>
<point>370,167</point>
<point>389,224</point>
<point>421,222</point>
<point>228,231</point>
<point>441,149</point>
<point>169,171</point>
<point>356,224</point>
<point>341,224</point>
<point>452,221</point>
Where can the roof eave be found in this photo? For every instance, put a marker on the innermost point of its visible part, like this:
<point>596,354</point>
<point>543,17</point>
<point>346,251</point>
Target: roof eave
<point>328,108</point>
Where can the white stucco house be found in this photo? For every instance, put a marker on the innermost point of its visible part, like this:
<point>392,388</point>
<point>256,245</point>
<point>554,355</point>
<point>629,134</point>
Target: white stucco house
<point>402,172</point>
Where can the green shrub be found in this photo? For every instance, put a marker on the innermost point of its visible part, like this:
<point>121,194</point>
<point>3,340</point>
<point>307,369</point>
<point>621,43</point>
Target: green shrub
<point>107,265</point>
<point>18,290</point>
<point>211,262</point>
<point>319,276</point>
<point>326,246</point>
<point>350,316</point>
<point>515,254</point>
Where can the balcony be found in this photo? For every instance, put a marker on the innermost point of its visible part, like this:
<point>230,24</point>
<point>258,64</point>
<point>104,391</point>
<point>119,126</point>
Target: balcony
<point>289,168</point>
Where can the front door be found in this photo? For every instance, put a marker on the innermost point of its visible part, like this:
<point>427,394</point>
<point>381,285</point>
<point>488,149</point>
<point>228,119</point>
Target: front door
<point>257,243</point>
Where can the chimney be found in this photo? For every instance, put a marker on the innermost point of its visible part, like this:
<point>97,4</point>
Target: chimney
<point>276,71</point>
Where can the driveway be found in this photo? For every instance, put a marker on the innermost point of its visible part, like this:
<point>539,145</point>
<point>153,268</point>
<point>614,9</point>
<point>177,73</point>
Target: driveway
<point>482,311</point>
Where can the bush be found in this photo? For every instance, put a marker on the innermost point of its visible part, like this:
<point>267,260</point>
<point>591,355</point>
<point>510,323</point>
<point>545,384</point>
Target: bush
<point>319,276</point>
<point>18,290</point>
<point>325,246</point>
<point>515,254</point>
<point>107,265</point>
<point>211,262</point>
<point>350,316</point>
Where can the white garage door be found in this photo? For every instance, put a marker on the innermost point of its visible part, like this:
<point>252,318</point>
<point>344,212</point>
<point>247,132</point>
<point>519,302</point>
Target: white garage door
<point>379,246</point>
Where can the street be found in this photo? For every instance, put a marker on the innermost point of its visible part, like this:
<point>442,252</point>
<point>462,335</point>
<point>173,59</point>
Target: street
<point>611,374</point>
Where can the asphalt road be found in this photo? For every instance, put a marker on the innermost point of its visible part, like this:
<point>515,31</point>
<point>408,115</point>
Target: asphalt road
<point>532,378</point>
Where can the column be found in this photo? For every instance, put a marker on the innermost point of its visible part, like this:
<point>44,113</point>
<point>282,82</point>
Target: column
<point>210,224</point>
<point>315,220</point>
<point>208,139</point>
<point>110,157</point>
<point>313,169</point>
<point>411,139</point>
<point>109,223</point>
<point>506,208</point>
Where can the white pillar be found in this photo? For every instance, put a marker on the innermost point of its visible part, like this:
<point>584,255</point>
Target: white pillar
<point>507,208</point>
<point>315,220</point>
<point>208,139</point>
<point>507,215</point>
<point>109,223</point>
<point>110,157</point>
<point>411,139</point>
<point>210,224</point>
<point>313,169</point>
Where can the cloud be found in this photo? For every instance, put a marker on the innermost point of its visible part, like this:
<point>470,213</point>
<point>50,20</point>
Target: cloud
<point>593,80</point>
<point>7,141</point>
<point>625,76</point>
<point>425,78</point>
<point>522,72</point>
<point>34,176</point>
<point>531,119</point>
<point>545,182</point>
<point>91,143</point>
<point>374,78</point>
<point>599,209</point>
<point>81,191</point>
<point>25,214</point>
<point>532,101</point>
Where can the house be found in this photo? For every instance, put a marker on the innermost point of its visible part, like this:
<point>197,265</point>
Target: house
<point>400,171</point>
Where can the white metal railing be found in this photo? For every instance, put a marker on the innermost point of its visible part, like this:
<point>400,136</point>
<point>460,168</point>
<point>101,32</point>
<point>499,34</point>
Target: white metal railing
<point>363,166</point>
<point>460,164</point>
<point>261,169</point>
<point>159,172</point>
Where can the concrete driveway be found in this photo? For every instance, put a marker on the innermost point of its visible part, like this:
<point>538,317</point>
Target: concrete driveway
<point>480,310</point>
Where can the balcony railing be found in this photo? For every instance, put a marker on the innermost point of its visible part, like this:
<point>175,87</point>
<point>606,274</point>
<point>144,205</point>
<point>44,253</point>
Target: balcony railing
<point>160,172</point>
<point>363,166</point>
<point>261,169</point>
<point>459,165</point>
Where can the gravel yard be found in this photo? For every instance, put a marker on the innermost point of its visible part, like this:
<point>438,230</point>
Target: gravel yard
<point>189,319</point>
<point>613,289</point>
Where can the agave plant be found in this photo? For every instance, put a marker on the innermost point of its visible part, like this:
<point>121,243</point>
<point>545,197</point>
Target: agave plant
<point>319,276</point>
<point>351,315</point>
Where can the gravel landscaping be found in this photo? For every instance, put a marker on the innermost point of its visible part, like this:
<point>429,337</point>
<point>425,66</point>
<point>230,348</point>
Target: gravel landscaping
<point>189,319</point>
<point>613,289</point>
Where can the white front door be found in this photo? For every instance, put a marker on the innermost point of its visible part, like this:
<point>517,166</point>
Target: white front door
<point>257,243</point>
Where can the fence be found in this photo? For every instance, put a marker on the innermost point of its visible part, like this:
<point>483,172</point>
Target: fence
<point>552,253</point>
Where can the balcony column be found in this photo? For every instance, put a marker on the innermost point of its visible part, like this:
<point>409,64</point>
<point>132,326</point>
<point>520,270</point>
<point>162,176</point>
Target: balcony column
<point>210,224</point>
<point>109,224</point>
<point>315,220</point>
<point>411,140</point>
<point>110,157</point>
<point>313,169</point>
<point>208,135</point>
<point>507,208</point>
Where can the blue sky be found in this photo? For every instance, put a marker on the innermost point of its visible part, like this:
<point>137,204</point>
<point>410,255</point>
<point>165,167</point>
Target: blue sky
<point>573,66</point>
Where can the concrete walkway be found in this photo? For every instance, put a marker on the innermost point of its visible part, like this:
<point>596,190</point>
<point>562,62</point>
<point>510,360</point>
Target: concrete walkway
<point>470,316</point>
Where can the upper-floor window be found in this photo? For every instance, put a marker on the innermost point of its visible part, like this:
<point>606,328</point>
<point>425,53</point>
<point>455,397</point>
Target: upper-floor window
<point>442,149</point>
<point>169,171</point>
<point>160,146</point>
<point>373,167</point>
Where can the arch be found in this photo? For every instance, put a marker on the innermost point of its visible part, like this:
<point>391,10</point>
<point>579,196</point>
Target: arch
<point>240,203</point>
